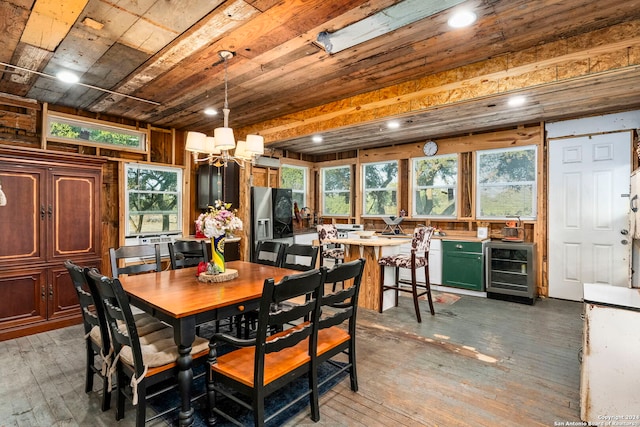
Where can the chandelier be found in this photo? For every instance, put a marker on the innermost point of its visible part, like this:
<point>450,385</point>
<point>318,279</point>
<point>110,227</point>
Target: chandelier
<point>217,147</point>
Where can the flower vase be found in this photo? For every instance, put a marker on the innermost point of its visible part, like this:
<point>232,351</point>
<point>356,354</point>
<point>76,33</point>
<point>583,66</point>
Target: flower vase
<point>217,253</point>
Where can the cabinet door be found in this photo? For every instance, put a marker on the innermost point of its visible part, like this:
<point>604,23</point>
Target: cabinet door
<point>62,300</point>
<point>22,218</point>
<point>73,214</point>
<point>24,297</point>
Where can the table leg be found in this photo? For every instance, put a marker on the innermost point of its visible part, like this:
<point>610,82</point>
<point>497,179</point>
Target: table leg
<point>184,335</point>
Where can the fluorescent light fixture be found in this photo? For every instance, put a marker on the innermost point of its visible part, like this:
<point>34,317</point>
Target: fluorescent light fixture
<point>393,124</point>
<point>399,15</point>
<point>316,138</point>
<point>67,77</point>
<point>211,111</point>
<point>462,19</point>
<point>516,101</point>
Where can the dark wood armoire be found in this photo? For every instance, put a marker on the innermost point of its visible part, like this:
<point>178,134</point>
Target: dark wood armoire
<point>52,213</point>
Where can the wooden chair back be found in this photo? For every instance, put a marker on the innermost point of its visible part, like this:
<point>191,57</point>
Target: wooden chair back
<point>270,252</point>
<point>187,253</point>
<point>300,257</point>
<point>148,259</point>
<point>337,308</point>
<point>268,362</point>
<point>95,331</point>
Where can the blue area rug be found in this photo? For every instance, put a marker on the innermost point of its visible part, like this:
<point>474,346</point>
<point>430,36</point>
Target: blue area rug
<point>273,402</point>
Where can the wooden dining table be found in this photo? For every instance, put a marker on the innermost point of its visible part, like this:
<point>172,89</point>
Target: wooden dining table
<point>178,298</point>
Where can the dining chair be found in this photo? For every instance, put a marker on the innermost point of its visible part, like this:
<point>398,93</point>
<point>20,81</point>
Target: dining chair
<point>138,364</point>
<point>96,334</point>
<point>262,365</point>
<point>338,308</point>
<point>418,258</point>
<point>331,251</point>
<point>300,257</point>
<point>187,253</point>
<point>147,259</point>
<point>270,252</point>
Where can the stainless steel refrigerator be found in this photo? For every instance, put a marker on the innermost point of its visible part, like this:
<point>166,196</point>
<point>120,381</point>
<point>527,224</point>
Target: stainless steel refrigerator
<point>271,214</point>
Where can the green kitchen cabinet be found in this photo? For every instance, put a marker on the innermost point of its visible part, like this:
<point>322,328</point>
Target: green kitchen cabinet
<point>463,264</point>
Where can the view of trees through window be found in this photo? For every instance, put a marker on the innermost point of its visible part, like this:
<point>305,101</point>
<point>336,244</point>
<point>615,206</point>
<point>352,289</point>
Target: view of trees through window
<point>336,190</point>
<point>153,200</point>
<point>90,132</point>
<point>434,182</point>
<point>507,183</point>
<point>295,178</point>
<point>380,188</point>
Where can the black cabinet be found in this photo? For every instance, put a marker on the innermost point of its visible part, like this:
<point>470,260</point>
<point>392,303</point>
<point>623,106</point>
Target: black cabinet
<point>511,271</point>
<point>221,183</point>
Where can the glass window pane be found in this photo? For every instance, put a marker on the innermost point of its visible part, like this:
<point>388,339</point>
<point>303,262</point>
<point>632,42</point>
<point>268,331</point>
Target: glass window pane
<point>380,188</point>
<point>295,178</point>
<point>153,200</point>
<point>435,181</point>
<point>100,134</point>
<point>336,191</point>
<point>507,183</point>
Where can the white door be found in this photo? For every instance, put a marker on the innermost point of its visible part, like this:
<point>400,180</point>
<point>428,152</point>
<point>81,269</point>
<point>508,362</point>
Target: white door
<point>588,213</point>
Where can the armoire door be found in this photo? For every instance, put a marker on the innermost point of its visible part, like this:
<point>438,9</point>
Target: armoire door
<point>23,217</point>
<point>72,214</point>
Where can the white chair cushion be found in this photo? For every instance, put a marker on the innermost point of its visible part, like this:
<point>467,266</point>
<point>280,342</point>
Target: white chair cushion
<point>161,351</point>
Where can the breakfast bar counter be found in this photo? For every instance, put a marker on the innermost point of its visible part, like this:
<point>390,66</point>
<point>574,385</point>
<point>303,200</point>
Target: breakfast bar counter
<point>370,249</point>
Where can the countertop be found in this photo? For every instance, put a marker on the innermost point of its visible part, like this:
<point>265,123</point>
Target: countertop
<point>618,296</point>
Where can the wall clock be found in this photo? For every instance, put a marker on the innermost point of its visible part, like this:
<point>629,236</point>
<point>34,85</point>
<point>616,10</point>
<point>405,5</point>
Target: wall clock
<point>430,148</point>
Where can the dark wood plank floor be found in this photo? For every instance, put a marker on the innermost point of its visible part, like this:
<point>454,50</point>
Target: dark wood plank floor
<point>478,362</point>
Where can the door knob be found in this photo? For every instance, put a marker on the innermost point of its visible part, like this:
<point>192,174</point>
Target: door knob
<point>624,241</point>
<point>624,232</point>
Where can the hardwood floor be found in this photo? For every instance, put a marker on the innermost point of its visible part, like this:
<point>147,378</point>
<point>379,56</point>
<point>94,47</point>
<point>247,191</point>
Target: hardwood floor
<point>477,362</point>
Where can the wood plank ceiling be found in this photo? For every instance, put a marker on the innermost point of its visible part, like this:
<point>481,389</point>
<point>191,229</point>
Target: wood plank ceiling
<point>283,84</point>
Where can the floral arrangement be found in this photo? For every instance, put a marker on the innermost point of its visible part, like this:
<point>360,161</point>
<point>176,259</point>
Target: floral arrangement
<point>218,221</point>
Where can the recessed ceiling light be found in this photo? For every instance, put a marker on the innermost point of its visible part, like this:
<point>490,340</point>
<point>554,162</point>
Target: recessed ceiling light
<point>461,19</point>
<point>394,124</point>
<point>210,111</point>
<point>516,101</point>
<point>67,77</point>
<point>316,138</point>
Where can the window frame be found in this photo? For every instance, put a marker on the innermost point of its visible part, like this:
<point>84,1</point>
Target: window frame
<point>128,232</point>
<point>365,190</point>
<point>95,125</point>
<point>533,184</point>
<point>324,191</point>
<point>305,183</point>
<point>415,187</point>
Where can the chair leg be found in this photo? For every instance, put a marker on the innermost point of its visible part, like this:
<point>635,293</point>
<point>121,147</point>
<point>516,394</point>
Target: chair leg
<point>414,290</point>
<point>314,396</point>
<point>352,360</point>
<point>428,286</point>
<point>120,395</point>
<point>381,288</point>
<point>258,410</point>
<point>397,281</point>
<point>141,409</point>
<point>88,383</point>
<point>106,393</point>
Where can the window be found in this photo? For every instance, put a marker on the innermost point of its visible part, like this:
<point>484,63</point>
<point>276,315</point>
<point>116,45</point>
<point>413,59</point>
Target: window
<point>153,200</point>
<point>380,188</point>
<point>336,191</point>
<point>77,130</point>
<point>295,178</point>
<point>434,185</point>
<point>507,183</point>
